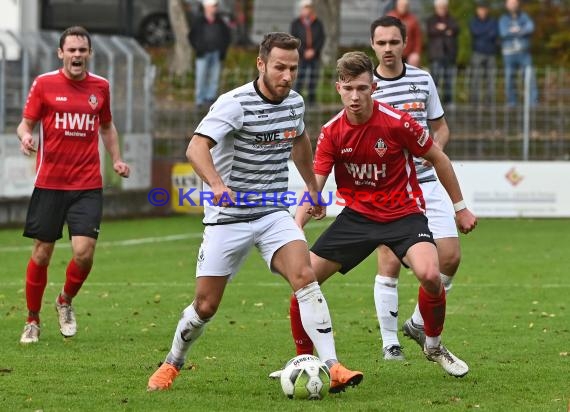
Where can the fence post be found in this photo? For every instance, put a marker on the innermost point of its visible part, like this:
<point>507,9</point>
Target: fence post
<point>2,88</point>
<point>526,111</point>
<point>25,67</point>
<point>129,81</point>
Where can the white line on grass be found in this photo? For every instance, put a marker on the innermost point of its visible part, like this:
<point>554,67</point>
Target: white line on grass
<point>129,242</point>
<point>103,244</point>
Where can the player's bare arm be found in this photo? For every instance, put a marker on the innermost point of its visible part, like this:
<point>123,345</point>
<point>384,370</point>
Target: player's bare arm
<point>466,221</point>
<point>440,133</point>
<point>110,138</point>
<point>198,153</point>
<point>302,155</point>
<point>24,132</point>
<point>305,210</point>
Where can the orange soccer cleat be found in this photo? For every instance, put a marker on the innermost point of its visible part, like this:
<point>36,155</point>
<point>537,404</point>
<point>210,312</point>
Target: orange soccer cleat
<point>163,377</point>
<point>342,377</point>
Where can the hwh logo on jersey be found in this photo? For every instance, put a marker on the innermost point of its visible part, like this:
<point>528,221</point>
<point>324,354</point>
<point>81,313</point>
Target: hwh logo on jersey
<point>366,170</point>
<point>75,121</point>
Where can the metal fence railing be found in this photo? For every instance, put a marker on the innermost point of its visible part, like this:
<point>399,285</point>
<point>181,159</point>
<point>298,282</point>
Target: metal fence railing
<point>485,130</point>
<point>120,59</point>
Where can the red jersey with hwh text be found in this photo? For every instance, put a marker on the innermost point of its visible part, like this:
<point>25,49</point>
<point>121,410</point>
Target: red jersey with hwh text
<point>373,162</point>
<point>70,112</point>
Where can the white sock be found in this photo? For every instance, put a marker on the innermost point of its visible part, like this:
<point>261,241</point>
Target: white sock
<point>316,320</point>
<point>190,327</point>
<point>416,316</point>
<point>433,341</point>
<point>386,301</point>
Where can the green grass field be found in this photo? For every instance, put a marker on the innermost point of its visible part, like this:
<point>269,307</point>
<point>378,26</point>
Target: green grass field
<point>508,317</point>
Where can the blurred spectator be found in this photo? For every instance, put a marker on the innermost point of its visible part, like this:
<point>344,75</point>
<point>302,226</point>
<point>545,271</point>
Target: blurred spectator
<point>241,30</point>
<point>210,37</point>
<point>515,29</point>
<point>442,31</point>
<point>310,30</point>
<point>484,42</point>
<point>413,50</point>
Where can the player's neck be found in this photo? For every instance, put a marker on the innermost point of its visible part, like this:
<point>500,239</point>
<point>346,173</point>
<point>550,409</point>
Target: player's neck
<point>360,117</point>
<point>76,78</point>
<point>390,72</point>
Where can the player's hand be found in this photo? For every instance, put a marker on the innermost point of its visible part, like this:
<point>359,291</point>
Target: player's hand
<point>317,210</point>
<point>121,168</point>
<point>223,196</point>
<point>466,221</point>
<point>27,145</point>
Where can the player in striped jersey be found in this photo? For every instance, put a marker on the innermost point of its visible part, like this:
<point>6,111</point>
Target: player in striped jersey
<point>242,145</point>
<point>411,90</point>
<point>72,106</point>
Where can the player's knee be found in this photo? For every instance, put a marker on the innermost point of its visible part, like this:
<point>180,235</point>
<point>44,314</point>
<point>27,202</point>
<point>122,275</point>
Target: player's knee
<point>41,253</point>
<point>306,276</point>
<point>449,261</point>
<point>205,307</point>
<point>429,279</point>
<point>84,261</point>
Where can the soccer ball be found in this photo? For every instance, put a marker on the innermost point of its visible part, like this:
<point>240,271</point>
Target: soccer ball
<point>305,377</point>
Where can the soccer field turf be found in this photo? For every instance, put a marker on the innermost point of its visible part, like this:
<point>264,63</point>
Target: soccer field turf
<point>507,316</point>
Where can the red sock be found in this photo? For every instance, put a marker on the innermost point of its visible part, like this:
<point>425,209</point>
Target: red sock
<point>74,278</point>
<point>303,343</point>
<point>36,281</point>
<point>432,309</point>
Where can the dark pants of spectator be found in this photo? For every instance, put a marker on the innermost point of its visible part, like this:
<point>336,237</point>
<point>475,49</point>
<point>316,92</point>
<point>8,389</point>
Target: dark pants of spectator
<point>519,62</point>
<point>483,69</point>
<point>443,72</point>
<point>308,76</point>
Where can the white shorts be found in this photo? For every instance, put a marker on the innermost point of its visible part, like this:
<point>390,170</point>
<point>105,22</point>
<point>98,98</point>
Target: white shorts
<point>439,210</point>
<point>225,247</point>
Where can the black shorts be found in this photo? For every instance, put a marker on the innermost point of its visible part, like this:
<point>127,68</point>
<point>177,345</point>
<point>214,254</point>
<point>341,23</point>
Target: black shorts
<point>50,209</point>
<point>351,238</point>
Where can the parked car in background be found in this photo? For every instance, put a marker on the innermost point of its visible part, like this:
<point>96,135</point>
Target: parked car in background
<point>147,20</point>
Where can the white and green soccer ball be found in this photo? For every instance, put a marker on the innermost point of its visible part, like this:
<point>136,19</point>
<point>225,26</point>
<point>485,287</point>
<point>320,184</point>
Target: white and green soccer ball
<point>305,377</point>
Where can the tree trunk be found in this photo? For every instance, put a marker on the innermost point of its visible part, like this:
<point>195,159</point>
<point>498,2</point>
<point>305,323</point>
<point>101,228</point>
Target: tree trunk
<point>329,13</point>
<point>182,51</point>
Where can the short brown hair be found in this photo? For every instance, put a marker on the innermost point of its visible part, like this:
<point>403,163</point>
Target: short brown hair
<point>353,64</point>
<point>74,31</point>
<point>277,39</point>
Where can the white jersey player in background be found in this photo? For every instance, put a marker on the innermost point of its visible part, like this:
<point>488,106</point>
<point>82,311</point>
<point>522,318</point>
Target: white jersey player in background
<point>412,90</point>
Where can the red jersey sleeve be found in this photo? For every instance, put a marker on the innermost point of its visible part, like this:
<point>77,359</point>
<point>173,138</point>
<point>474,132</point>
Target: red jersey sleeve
<point>324,154</point>
<point>418,141</point>
<point>33,106</point>
<point>105,114</point>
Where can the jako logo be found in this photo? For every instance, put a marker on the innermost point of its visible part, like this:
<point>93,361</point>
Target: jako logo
<point>346,150</point>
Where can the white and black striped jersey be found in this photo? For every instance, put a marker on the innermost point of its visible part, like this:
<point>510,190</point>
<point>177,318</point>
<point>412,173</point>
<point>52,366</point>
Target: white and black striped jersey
<point>413,92</point>
<point>254,138</point>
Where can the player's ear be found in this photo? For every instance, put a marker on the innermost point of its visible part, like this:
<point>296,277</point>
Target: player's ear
<point>337,86</point>
<point>59,53</point>
<point>260,65</point>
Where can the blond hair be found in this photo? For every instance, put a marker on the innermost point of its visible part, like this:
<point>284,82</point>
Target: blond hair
<point>353,64</point>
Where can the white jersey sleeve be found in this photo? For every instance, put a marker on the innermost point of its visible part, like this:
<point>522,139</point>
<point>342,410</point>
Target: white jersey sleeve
<point>433,106</point>
<point>225,116</point>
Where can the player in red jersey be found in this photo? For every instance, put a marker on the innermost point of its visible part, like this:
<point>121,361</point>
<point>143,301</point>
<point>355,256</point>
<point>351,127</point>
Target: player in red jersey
<point>73,109</point>
<point>371,146</point>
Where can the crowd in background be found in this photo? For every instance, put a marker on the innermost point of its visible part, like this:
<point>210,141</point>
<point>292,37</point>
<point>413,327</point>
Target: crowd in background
<point>437,37</point>
<point>508,35</point>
